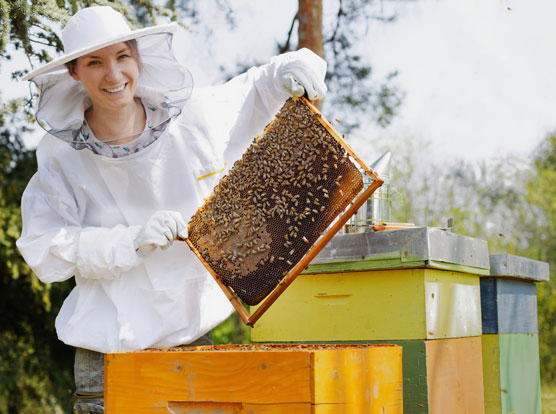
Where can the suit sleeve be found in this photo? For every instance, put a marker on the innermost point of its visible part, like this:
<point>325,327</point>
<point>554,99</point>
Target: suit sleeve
<point>56,246</point>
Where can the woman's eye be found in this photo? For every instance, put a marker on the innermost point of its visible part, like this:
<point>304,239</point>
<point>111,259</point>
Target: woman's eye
<point>93,62</point>
<point>123,56</point>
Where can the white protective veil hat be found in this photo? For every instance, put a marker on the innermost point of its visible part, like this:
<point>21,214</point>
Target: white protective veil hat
<point>163,81</point>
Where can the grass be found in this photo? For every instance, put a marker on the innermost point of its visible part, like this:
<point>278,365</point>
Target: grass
<point>548,395</point>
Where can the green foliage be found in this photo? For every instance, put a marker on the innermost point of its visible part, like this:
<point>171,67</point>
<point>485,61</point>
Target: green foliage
<point>35,368</point>
<point>541,196</point>
<point>548,395</point>
<point>231,331</point>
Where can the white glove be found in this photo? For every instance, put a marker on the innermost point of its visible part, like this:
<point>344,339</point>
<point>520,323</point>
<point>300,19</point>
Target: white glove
<point>161,229</point>
<point>304,71</point>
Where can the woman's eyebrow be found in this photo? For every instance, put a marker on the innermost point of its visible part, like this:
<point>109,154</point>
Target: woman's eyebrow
<point>125,49</point>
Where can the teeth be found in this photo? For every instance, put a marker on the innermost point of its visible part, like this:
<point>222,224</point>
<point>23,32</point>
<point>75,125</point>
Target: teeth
<point>118,89</point>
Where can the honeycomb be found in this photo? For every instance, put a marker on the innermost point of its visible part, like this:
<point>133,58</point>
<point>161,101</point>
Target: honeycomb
<point>274,203</point>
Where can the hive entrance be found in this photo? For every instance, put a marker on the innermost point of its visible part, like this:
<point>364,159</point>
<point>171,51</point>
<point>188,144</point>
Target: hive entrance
<point>276,201</point>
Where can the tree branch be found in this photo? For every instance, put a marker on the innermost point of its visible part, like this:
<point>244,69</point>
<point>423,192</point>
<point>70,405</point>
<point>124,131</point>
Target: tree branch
<point>286,46</point>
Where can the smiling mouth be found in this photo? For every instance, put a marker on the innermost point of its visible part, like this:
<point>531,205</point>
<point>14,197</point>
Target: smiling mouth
<point>115,90</point>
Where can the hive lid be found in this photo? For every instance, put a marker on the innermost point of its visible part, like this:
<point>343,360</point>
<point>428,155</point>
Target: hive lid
<point>406,248</point>
<point>509,265</point>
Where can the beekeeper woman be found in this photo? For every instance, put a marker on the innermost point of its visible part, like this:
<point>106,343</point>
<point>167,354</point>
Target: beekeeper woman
<point>129,155</point>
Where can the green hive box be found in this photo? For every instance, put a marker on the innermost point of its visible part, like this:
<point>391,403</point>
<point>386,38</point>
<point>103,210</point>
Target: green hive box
<point>510,340</point>
<point>419,288</point>
<point>511,373</point>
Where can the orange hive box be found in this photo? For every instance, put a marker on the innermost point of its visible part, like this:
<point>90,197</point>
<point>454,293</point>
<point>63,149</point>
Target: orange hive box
<point>278,206</point>
<point>256,379</point>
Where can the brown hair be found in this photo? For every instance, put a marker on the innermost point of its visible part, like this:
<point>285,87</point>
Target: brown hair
<point>132,44</point>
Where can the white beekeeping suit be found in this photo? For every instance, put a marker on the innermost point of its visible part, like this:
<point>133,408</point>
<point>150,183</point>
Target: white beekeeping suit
<point>85,206</point>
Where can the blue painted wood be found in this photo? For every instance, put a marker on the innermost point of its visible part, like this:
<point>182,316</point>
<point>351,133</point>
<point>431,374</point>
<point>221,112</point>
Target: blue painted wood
<point>508,306</point>
<point>489,305</point>
<point>517,306</point>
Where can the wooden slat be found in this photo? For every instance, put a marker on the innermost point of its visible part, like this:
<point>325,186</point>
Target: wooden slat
<point>517,306</point>
<point>367,380</point>
<point>453,302</point>
<point>491,373</point>
<point>348,307</point>
<point>508,306</point>
<point>489,305</point>
<point>414,366</point>
<point>179,407</point>
<point>455,376</point>
<point>511,373</point>
<point>520,382</point>
<point>139,382</point>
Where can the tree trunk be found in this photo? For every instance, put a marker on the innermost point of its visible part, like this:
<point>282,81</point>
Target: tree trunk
<point>309,16</point>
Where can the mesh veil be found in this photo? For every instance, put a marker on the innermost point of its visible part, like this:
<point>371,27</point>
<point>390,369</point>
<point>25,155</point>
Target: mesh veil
<point>163,82</point>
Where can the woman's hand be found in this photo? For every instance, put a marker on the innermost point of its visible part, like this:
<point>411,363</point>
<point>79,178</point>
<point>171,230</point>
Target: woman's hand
<point>304,72</point>
<point>161,229</point>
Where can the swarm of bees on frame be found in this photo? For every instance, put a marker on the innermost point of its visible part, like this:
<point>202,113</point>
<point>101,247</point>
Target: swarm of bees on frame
<point>275,202</point>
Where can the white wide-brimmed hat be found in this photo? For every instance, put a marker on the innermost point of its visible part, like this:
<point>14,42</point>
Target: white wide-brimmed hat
<point>164,82</point>
<point>94,28</point>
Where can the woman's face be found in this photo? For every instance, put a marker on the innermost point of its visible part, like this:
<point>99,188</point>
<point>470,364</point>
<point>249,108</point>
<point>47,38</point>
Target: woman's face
<point>109,76</point>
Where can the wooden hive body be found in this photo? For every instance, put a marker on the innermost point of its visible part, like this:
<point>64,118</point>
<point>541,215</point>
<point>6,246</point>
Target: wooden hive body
<point>510,338</point>
<point>396,287</point>
<point>256,380</point>
<point>508,306</point>
<point>433,314</point>
<point>375,305</point>
<point>512,373</point>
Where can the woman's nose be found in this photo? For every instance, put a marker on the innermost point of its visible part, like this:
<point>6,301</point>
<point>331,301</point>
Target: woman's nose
<point>113,71</point>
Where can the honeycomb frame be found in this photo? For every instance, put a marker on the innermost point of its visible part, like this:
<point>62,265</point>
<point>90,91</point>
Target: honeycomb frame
<point>278,206</point>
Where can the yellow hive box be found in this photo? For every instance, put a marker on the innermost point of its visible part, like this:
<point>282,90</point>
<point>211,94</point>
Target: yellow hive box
<point>395,304</point>
<point>256,379</point>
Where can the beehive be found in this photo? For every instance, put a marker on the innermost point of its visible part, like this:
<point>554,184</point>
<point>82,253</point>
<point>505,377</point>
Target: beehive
<point>396,285</point>
<point>326,379</point>
<point>277,200</point>
<point>509,294</point>
<point>512,373</point>
<point>375,305</point>
<point>510,334</point>
<point>418,288</point>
